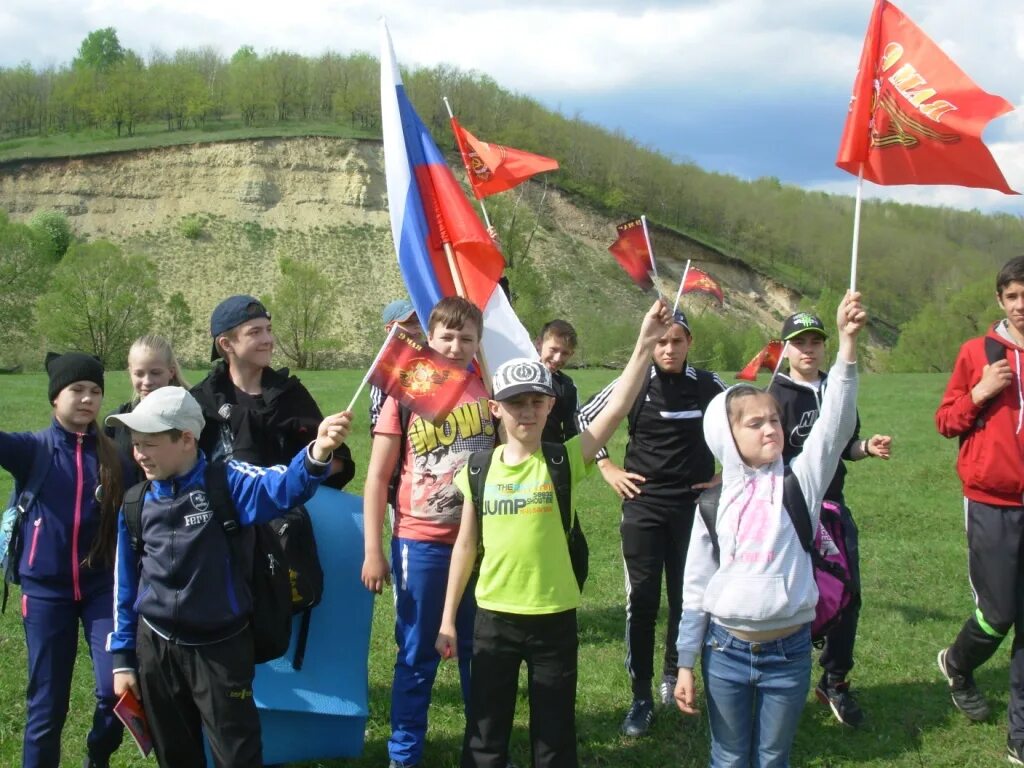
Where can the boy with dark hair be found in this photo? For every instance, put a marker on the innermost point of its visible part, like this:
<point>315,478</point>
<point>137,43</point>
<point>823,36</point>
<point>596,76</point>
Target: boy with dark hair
<point>527,591</point>
<point>556,346</point>
<point>799,395</point>
<point>182,640</point>
<point>426,522</point>
<point>982,407</point>
<point>254,413</point>
<point>667,464</point>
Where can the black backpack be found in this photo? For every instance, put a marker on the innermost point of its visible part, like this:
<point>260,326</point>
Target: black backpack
<point>557,461</point>
<point>273,600</point>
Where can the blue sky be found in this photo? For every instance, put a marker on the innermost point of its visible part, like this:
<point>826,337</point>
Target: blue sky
<point>749,87</point>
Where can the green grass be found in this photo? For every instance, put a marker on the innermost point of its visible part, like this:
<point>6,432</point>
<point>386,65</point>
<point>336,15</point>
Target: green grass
<point>152,135</point>
<point>916,596</point>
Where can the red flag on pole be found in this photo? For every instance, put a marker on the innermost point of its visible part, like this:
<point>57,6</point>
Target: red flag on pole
<point>630,250</point>
<point>767,358</point>
<point>915,117</point>
<point>493,168</point>
<point>698,281</point>
<point>418,377</point>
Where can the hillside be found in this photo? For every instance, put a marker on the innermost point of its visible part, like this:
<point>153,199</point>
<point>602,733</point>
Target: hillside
<point>323,200</point>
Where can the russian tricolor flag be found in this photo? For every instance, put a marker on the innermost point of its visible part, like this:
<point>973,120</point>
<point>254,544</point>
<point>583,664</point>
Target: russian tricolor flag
<point>429,213</point>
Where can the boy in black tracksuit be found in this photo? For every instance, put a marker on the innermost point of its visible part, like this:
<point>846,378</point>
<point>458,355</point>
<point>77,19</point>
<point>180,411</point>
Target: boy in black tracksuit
<point>666,466</point>
<point>557,345</point>
<point>181,640</point>
<point>799,397</point>
<point>255,413</point>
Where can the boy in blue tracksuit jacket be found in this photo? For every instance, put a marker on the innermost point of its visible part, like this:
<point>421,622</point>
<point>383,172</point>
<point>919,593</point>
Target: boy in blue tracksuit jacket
<point>181,638</point>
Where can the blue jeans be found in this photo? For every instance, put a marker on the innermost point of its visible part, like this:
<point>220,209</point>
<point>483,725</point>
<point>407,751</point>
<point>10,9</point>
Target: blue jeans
<point>755,694</point>
<point>420,571</point>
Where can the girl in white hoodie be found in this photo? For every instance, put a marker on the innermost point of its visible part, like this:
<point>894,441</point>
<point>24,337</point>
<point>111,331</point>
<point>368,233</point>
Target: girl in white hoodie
<point>748,613</point>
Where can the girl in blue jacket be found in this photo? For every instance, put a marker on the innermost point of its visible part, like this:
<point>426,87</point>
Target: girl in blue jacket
<point>65,562</point>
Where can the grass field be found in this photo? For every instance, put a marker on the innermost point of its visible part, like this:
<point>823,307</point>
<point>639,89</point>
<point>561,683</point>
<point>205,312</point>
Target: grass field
<point>915,597</point>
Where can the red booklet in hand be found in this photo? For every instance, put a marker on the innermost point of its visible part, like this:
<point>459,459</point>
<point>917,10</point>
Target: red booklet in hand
<point>129,711</point>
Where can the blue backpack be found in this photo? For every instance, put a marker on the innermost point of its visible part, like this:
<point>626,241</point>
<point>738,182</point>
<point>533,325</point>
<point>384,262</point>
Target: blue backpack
<point>12,527</point>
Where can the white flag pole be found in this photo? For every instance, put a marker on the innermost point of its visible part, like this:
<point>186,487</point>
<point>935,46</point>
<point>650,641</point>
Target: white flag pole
<point>483,208</point>
<point>778,365</point>
<point>856,229</point>
<point>679,293</point>
<point>369,372</point>
<point>650,252</point>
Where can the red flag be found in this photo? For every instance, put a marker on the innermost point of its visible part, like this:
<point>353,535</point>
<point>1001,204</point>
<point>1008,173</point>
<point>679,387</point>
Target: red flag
<point>698,281</point>
<point>915,117</point>
<point>493,168</point>
<point>767,358</point>
<point>418,377</point>
<point>630,250</point>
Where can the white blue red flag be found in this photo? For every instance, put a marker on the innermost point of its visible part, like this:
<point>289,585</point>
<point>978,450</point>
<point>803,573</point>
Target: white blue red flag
<point>428,211</point>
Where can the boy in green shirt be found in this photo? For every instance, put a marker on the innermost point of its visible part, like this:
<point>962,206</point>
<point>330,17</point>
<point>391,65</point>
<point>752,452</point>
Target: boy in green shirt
<point>526,591</point>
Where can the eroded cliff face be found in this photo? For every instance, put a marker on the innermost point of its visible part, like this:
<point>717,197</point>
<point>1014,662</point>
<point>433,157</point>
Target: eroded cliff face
<point>324,200</point>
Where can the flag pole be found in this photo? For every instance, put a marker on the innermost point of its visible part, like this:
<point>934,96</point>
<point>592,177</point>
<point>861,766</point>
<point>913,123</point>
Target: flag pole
<point>650,252</point>
<point>856,229</point>
<point>460,288</point>
<point>679,293</point>
<point>373,365</point>
<point>778,365</point>
<point>451,116</point>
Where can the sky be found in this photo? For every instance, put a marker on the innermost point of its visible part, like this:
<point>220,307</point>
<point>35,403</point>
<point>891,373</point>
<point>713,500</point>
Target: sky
<point>752,88</point>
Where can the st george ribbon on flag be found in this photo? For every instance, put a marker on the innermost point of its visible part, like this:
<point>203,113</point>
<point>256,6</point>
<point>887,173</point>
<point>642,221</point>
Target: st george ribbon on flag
<point>630,250</point>
<point>915,117</point>
<point>768,358</point>
<point>493,168</point>
<point>429,210</point>
<point>419,378</point>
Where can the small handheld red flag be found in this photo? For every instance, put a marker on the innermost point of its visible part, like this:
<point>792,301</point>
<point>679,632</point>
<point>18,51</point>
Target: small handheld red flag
<point>493,168</point>
<point>767,358</point>
<point>630,250</point>
<point>698,281</point>
<point>915,117</point>
<point>418,377</point>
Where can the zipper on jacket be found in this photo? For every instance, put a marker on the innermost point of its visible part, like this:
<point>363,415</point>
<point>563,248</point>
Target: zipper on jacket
<point>79,483</point>
<point>38,524</point>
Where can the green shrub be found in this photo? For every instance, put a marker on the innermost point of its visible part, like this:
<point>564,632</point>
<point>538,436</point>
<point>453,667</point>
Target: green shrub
<point>191,227</point>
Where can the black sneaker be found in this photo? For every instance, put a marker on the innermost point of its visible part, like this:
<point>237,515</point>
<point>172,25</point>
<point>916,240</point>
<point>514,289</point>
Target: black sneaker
<point>966,696</point>
<point>667,691</point>
<point>639,718</point>
<point>1015,751</point>
<point>835,694</point>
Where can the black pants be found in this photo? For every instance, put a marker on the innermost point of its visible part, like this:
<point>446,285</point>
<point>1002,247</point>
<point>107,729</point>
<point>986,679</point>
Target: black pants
<point>837,655</point>
<point>655,536</point>
<point>187,689</point>
<point>501,643</point>
<point>995,536</point>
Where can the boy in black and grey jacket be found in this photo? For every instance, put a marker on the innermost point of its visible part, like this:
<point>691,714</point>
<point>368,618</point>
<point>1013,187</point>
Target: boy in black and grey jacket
<point>799,395</point>
<point>181,639</point>
<point>666,466</point>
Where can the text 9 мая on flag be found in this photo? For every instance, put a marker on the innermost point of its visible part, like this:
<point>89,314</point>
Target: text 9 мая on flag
<point>630,250</point>
<point>418,377</point>
<point>493,168</point>
<point>767,358</point>
<point>915,117</point>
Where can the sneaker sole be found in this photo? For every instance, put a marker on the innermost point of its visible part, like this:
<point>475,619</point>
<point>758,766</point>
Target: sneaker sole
<point>941,659</point>
<point>975,718</point>
<point>826,701</point>
<point>1014,759</point>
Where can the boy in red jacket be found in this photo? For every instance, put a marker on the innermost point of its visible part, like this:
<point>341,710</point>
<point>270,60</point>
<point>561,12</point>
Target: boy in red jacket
<point>983,407</point>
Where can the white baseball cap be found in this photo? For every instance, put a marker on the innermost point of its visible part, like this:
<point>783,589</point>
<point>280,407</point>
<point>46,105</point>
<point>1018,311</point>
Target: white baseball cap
<point>162,410</point>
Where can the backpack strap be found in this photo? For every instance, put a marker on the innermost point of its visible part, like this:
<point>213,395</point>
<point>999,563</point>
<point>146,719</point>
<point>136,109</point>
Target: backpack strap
<point>557,460</point>
<point>479,463</point>
<point>994,351</point>
<point>131,508</point>
<point>707,508</point>
<point>221,503</point>
<point>300,642</point>
<point>796,505</point>
<point>638,404</point>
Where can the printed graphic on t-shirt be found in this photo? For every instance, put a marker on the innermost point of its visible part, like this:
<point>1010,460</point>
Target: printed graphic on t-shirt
<point>510,499</point>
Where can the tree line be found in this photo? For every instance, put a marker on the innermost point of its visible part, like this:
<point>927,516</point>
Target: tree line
<point>912,257</point>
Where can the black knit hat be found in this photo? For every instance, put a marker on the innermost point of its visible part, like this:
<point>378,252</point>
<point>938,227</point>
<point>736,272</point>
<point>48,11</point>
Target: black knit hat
<point>71,367</point>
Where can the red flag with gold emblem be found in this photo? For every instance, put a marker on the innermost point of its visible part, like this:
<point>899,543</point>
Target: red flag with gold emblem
<point>493,168</point>
<point>767,358</point>
<point>418,377</point>
<point>915,117</point>
<point>698,281</point>
<point>630,250</point>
